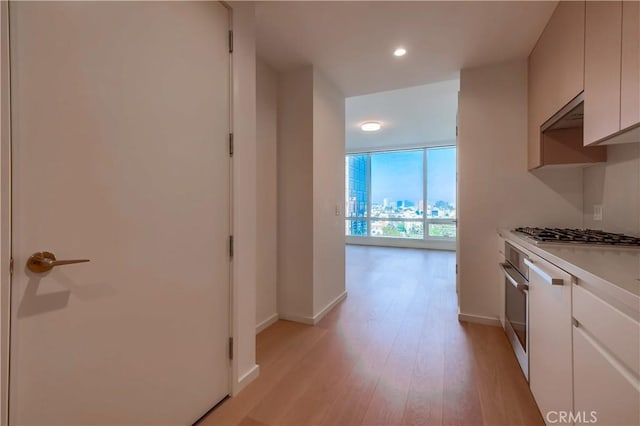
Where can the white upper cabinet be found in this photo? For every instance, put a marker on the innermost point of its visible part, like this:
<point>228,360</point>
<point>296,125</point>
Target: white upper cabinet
<point>630,97</point>
<point>602,69</point>
<point>611,71</point>
<point>556,77</point>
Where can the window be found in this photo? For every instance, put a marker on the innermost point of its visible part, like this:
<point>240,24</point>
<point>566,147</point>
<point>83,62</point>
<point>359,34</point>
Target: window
<point>441,191</point>
<point>386,192</point>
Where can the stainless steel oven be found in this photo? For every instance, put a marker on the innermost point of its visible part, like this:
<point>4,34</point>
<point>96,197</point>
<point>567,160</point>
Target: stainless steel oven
<point>516,324</point>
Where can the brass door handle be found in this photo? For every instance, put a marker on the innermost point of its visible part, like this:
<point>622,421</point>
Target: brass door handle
<point>44,261</point>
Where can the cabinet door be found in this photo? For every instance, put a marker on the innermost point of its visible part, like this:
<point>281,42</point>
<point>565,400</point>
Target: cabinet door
<point>556,70</point>
<point>550,357</point>
<point>630,96</point>
<point>612,328</point>
<point>602,387</point>
<point>603,43</point>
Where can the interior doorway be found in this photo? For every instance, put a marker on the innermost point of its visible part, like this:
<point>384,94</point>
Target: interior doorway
<point>401,171</point>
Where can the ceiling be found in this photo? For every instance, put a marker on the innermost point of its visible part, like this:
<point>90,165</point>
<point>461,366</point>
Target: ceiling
<point>352,42</point>
<point>416,116</point>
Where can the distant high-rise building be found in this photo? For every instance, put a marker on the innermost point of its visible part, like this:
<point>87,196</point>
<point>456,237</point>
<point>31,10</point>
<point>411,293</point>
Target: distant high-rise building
<point>356,171</point>
<point>405,204</point>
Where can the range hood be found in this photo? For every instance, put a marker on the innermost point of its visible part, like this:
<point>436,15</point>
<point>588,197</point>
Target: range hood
<point>572,116</point>
<point>569,117</point>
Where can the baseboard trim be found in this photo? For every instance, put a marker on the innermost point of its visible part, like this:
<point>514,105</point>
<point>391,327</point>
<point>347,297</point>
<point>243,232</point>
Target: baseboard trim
<point>247,378</point>
<point>297,318</point>
<point>479,319</point>
<point>317,317</point>
<point>267,322</point>
<point>329,307</point>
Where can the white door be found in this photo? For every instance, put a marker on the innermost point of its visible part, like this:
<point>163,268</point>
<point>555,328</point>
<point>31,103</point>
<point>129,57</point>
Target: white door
<point>120,117</point>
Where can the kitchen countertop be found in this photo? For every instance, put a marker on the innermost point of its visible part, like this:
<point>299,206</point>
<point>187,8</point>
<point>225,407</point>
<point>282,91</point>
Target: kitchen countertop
<point>602,266</point>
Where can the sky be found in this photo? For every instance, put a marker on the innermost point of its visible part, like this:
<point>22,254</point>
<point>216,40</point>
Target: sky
<point>398,176</point>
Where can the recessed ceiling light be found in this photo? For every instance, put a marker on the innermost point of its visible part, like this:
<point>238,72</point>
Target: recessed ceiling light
<point>400,51</point>
<point>370,126</point>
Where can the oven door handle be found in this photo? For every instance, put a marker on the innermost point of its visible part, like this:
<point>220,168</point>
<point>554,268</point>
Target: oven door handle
<point>520,286</point>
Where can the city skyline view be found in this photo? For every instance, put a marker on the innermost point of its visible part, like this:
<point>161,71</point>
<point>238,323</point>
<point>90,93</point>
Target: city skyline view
<point>398,176</point>
<point>395,180</point>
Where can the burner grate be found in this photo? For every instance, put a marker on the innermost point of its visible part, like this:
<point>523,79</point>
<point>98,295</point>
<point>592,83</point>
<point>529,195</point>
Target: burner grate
<point>579,236</point>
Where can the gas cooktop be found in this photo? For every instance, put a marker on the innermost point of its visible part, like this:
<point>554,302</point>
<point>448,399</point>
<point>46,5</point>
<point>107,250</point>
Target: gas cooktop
<point>579,236</point>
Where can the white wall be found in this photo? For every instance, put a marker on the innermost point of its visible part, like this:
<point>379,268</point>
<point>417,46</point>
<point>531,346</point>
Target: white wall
<point>243,307</point>
<point>328,193</point>
<point>495,188</point>
<point>295,194</point>
<point>266,186</point>
<point>310,187</point>
<point>615,185</point>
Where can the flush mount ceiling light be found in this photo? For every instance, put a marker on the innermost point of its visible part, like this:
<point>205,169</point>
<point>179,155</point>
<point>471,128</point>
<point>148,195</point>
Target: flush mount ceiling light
<point>370,126</point>
<point>400,51</point>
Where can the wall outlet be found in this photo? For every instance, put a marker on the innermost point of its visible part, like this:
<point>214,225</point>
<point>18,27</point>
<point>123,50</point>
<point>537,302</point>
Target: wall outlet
<point>337,209</point>
<point>597,211</point>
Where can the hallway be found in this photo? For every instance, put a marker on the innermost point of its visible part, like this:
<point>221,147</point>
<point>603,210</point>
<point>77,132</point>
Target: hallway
<point>392,353</point>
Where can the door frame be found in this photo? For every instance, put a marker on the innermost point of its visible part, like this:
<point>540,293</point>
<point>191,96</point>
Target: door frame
<point>6,225</point>
<point>5,213</point>
<point>231,284</point>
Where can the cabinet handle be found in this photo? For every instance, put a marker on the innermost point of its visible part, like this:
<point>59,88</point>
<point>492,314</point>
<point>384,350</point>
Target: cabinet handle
<point>545,275</point>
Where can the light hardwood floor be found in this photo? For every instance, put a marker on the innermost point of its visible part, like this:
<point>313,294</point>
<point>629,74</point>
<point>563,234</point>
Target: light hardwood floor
<point>392,353</point>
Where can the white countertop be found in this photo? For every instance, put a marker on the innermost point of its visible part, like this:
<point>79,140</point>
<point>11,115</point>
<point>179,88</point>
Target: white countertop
<point>619,267</point>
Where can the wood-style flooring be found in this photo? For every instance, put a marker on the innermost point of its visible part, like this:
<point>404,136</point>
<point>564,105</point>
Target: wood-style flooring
<point>393,353</point>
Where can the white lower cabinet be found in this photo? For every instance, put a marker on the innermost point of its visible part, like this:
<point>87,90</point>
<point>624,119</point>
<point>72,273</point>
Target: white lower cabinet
<point>550,354</point>
<point>584,349</point>
<point>605,392</point>
<point>606,363</point>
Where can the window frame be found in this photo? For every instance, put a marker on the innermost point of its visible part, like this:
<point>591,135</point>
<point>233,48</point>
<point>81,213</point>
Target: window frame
<point>424,220</point>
